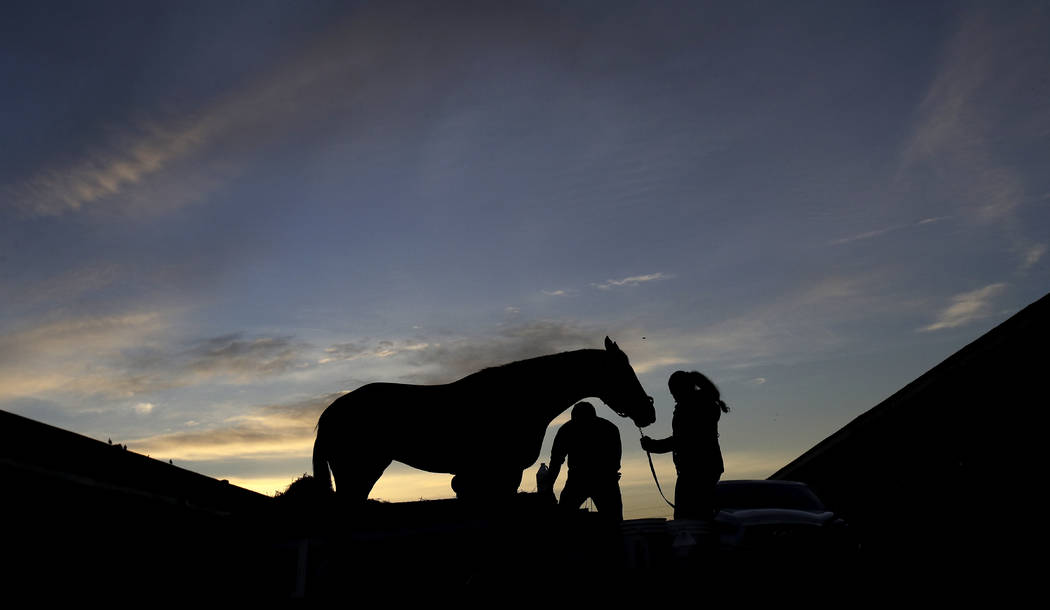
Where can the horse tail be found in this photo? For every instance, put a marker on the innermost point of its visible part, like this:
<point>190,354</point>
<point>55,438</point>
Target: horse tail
<point>321,472</point>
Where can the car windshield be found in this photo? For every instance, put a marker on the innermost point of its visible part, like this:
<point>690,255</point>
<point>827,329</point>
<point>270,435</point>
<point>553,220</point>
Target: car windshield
<point>767,495</point>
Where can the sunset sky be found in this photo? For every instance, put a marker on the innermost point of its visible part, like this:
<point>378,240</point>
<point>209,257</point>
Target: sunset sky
<point>216,217</point>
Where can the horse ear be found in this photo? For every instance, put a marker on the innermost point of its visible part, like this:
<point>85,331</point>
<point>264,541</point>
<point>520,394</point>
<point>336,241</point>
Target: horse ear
<point>610,345</point>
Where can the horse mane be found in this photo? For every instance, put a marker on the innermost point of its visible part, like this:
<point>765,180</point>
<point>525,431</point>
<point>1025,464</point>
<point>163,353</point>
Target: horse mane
<point>530,366</point>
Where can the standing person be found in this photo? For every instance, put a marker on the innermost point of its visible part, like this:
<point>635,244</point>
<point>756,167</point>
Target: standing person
<point>592,445</point>
<point>694,441</point>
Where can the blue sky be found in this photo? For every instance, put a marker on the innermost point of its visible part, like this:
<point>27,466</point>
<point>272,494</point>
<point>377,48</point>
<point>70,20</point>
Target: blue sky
<point>215,217</point>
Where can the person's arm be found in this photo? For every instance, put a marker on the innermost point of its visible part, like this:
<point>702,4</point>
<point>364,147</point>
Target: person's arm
<point>653,445</point>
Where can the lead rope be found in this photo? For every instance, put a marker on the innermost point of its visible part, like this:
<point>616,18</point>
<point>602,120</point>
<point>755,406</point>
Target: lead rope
<point>653,470</point>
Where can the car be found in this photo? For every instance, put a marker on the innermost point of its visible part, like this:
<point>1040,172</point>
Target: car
<point>769,516</point>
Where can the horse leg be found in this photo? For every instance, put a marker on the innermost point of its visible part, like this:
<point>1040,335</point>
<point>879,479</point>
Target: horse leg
<point>356,475</point>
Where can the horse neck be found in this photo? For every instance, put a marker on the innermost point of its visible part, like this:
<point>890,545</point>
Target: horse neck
<point>572,377</point>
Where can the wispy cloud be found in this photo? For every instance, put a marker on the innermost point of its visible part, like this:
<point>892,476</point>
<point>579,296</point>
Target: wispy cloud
<point>879,232</point>
<point>632,281</point>
<point>1033,255</point>
<point>166,160</point>
<point>980,100</point>
<point>966,308</point>
<point>863,236</point>
<point>104,172</point>
<point>555,293</point>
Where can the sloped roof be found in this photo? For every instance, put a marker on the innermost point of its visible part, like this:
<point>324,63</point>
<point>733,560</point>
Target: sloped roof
<point>32,451</point>
<point>1000,362</point>
<point>920,474</point>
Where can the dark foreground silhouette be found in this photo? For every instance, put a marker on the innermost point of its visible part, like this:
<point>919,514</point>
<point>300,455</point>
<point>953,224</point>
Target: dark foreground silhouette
<point>485,428</point>
<point>528,544</point>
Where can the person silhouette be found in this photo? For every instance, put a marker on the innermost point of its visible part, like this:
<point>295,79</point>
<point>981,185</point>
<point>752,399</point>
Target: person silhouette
<point>592,445</point>
<point>694,441</point>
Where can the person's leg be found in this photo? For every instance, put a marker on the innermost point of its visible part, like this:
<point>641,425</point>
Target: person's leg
<point>687,502</point>
<point>706,495</point>
<point>607,499</point>
<point>572,495</point>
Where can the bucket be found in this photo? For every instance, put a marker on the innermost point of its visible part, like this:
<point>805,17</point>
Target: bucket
<point>692,539</point>
<point>644,542</point>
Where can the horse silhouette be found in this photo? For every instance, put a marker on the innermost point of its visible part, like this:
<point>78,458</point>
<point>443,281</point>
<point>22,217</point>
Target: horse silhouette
<point>485,428</point>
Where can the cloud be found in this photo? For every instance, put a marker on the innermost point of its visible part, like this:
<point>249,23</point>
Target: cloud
<point>979,106</point>
<point>632,281</point>
<point>367,348</point>
<point>131,354</point>
<point>64,336</point>
<point>230,358</point>
<point>862,236</point>
<point>245,439</point>
<point>164,160</point>
<point>235,356</point>
<point>966,308</point>
<point>790,326</point>
<point>555,293</point>
<point>279,430</point>
<point>144,408</point>
<point>1033,254</point>
<point>156,366</point>
<point>67,354</point>
<point>803,323</point>
<point>880,232</point>
<point>109,170</point>
<point>448,360</point>
<point>344,351</point>
<point>926,221</point>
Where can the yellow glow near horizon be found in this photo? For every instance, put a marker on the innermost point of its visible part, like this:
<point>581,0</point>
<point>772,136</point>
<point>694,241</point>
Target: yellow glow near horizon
<point>640,497</point>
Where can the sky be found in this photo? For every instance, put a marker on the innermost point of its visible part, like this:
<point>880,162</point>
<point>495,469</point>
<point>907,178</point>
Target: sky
<point>217,217</point>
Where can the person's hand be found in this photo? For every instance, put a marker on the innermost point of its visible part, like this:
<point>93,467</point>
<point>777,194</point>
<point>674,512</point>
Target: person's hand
<point>646,443</point>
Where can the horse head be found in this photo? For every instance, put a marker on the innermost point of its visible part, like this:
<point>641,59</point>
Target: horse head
<point>624,393</point>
